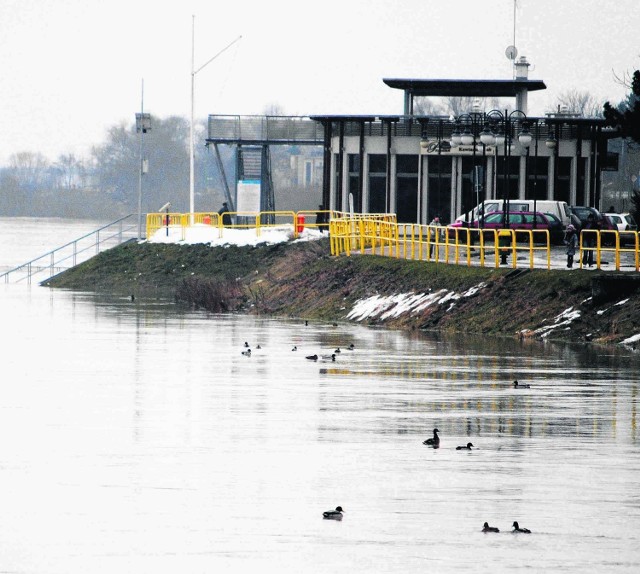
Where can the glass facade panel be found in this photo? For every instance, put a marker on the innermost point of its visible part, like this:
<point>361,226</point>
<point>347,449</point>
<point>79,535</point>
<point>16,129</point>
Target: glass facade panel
<point>537,178</point>
<point>377,183</point>
<point>507,177</point>
<point>354,188</point>
<point>336,180</point>
<point>439,188</point>
<point>473,182</point>
<point>563,181</point>
<point>407,188</point>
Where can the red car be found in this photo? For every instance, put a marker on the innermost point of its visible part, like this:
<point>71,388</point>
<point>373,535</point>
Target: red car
<point>517,220</point>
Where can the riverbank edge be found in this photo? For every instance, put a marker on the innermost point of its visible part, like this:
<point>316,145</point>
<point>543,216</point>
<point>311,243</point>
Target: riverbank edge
<point>302,279</point>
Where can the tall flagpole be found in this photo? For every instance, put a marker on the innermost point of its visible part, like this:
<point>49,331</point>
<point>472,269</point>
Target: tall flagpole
<point>191,134</point>
<point>191,130</point>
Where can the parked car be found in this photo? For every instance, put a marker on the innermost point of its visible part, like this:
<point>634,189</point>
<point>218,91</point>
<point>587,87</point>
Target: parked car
<point>558,208</point>
<point>602,221</point>
<point>556,229</point>
<point>624,222</point>
<point>617,219</point>
<point>631,222</point>
<point>583,212</point>
<point>517,220</point>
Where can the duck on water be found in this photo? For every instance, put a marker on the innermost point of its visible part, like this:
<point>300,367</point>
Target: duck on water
<point>333,514</point>
<point>516,528</point>
<point>435,441</point>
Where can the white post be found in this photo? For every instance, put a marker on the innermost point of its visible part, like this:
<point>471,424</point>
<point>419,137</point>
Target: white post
<point>191,135</point>
<point>140,170</point>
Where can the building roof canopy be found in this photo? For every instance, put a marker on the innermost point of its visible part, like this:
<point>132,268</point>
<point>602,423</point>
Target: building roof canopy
<point>475,88</point>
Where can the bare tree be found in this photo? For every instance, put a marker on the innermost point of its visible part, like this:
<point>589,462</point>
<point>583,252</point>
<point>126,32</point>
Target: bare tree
<point>68,169</point>
<point>29,169</point>
<point>427,107</point>
<point>580,103</point>
<point>274,109</point>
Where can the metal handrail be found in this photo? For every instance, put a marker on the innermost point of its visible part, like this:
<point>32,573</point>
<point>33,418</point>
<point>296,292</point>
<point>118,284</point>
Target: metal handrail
<point>456,244</point>
<point>58,259</point>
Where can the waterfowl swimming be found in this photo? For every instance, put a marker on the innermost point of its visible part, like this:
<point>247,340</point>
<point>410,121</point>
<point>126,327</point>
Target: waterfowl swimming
<point>312,357</point>
<point>517,385</point>
<point>247,352</point>
<point>435,441</point>
<point>333,514</point>
<point>294,348</point>
<point>468,447</point>
<point>337,350</point>
<point>516,528</point>
<point>331,357</point>
<point>351,347</point>
<point>258,347</point>
<point>246,344</point>
<point>487,528</point>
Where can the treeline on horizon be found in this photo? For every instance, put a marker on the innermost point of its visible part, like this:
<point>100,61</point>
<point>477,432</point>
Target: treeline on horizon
<point>105,184</point>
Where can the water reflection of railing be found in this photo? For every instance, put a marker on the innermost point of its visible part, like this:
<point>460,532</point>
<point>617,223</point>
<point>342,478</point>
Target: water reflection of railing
<point>474,397</point>
<point>70,254</point>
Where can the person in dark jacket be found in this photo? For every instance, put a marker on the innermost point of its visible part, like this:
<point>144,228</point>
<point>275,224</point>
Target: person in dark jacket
<point>224,211</point>
<point>321,219</point>
<point>589,239</point>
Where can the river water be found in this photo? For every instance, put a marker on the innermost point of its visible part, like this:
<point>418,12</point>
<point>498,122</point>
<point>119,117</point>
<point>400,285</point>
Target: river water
<point>136,437</point>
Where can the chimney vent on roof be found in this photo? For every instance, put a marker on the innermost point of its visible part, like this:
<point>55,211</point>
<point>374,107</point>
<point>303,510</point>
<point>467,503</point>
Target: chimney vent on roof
<point>522,68</point>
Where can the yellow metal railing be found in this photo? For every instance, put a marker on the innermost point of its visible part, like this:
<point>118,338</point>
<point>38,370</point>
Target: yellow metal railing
<point>382,235</point>
<point>238,220</point>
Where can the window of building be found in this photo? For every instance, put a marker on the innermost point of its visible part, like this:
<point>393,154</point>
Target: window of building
<point>407,188</point>
<point>537,178</point>
<point>439,188</point>
<point>563,181</point>
<point>507,177</point>
<point>353,161</point>
<point>377,183</point>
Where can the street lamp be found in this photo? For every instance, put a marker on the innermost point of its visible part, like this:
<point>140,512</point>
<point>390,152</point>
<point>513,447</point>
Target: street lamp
<point>191,130</point>
<point>503,129</point>
<point>471,136</point>
<point>143,125</point>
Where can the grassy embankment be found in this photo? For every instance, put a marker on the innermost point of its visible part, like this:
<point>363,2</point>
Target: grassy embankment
<point>303,280</point>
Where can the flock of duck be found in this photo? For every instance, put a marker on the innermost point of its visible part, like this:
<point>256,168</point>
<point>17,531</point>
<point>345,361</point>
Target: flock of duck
<point>433,441</point>
<point>314,357</point>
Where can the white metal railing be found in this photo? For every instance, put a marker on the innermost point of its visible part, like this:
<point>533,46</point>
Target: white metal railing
<point>74,252</point>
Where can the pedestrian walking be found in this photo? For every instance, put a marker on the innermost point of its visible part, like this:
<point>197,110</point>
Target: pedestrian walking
<point>433,234</point>
<point>571,241</point>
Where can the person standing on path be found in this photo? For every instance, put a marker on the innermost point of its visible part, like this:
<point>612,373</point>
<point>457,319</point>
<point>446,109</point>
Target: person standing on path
<point>433,234</point>
<point>589,239</point>
<point>571,241</point>
<point>224,211</point>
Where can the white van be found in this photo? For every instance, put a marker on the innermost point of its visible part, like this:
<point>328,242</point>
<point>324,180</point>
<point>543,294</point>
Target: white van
<point>558,208</point>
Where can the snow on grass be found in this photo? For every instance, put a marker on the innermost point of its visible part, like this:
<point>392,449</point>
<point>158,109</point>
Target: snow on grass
<point>631,340</point>
<point>564,319</point>
<point>201,233</point>
<point>392,306</point>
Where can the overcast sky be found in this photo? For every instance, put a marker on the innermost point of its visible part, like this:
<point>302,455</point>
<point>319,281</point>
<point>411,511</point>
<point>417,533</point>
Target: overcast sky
<point>72,68</point>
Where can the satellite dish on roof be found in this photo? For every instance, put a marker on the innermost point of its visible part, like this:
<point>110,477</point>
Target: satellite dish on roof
<point>511,52</point>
